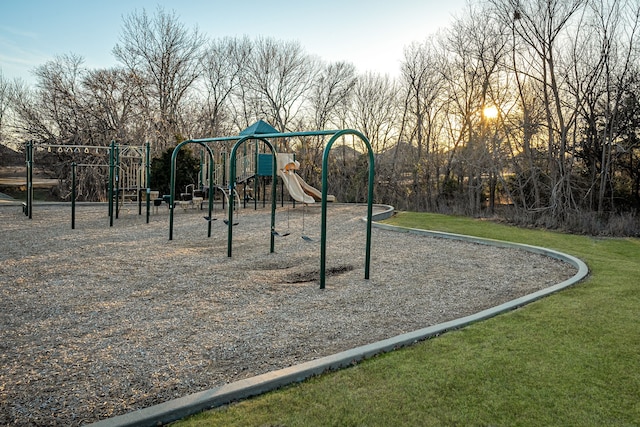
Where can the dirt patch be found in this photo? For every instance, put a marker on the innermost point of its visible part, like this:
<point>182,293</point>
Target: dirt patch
<point>314,275</point>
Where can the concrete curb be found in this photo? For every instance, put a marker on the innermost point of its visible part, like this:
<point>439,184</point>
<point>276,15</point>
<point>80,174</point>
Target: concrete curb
<point>179,408</point>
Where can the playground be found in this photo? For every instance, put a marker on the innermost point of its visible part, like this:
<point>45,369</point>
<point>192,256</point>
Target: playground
<point>100,321</point>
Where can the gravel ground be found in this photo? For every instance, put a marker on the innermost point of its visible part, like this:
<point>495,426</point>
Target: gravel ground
<point>100,321</point>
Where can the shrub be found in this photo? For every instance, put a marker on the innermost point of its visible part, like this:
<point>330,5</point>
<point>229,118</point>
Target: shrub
<point>187,169</point>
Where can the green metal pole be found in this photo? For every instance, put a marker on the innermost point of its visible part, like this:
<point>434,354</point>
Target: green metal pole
<point>138,190</point>
<point>111,166</point>
<point>73,195</point>
<point>27,148</point>
<point>29,207</point>
<point>172,184</point>
<point>367,260</point>
<point>323,215</point>
<point>244,161</point>
<point>224,175</point>
<point>232,178</point>
<point>274,189</point>
<point>31,182</point>
<point>148,178</point>
<point>117,175</point>
<point>255,180</point>
<point>211,193</point>
<point>201,172</point>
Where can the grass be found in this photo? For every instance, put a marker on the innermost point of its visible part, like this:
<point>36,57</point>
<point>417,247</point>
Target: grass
<point>571,359</point>
<point>39,194</point>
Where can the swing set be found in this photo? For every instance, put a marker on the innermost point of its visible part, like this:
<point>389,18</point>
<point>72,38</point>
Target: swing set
<point>261,131</point>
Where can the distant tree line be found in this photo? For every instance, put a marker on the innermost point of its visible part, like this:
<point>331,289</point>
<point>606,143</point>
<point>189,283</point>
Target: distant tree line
<point>526,110</point>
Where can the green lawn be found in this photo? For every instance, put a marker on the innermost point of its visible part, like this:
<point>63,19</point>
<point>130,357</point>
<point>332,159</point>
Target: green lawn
<point>571,359</point>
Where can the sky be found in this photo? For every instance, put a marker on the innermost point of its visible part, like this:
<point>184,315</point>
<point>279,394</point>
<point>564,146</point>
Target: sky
<point>371,34</point>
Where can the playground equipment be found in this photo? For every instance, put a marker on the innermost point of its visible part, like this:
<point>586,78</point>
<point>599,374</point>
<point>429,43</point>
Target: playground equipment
<point>226,195</point>
<point>335,135</point>
<point>298,189</point>
<point>128,172</point>
<point>246,164</point>
<point>172,186</point>
<point>190,198</point>
<point>286,233</point>
<point>287,167</point>
<point>261,131</point>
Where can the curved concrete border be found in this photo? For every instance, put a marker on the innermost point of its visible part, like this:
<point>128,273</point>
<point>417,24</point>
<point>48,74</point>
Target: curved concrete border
<point>387,212</point>
<point>179,408</point>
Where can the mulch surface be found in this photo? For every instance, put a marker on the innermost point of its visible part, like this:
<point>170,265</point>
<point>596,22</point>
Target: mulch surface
<point>100,321</point>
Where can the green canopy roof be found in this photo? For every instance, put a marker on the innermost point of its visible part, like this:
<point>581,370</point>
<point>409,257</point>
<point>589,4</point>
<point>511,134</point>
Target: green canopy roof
<point>259,127</point>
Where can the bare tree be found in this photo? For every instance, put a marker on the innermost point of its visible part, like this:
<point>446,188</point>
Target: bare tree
<point>375,108</point>
<point>523,122</point>
<point>563,74</point>
<point>331,91</point>
<point>422,84</point>
<point>56,110</point>
<point>5,97</point>
<point>276,81</point>
<point>374,111</point>
<point>333,87</point>
<point>61,111</point>
<point>602,84</point>
<point>542,26</point>
<point>166,57</point>
<point>223,65</point>
<point>116,106</point>
<point>472,65</point>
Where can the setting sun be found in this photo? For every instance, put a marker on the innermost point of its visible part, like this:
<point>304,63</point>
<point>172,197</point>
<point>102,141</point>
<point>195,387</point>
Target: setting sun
<point>490,112</point>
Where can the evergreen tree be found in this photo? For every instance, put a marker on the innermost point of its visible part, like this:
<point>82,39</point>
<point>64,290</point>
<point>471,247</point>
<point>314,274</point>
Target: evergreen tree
<point>187,169</point>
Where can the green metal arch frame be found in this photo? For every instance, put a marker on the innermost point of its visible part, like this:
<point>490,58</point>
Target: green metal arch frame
<point>323,220</point>
<point>335,134</point>
<point>172,190</point>
<point>232,183</point>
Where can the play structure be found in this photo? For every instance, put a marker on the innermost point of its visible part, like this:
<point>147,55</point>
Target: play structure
<point>252,163</point>
<point>283,167</point>
<point>254,170</point>
<point>128,170</point>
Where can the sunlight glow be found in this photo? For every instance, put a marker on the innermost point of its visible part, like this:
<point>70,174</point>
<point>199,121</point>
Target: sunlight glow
<point>490,112</point>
